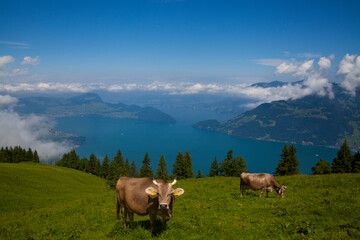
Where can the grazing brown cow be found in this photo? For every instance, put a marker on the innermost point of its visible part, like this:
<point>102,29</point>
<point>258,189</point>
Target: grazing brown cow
<point>146,196</point>
<point>263,181</point>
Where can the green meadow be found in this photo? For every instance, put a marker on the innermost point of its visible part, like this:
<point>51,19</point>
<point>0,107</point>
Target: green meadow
<point>40,201</point>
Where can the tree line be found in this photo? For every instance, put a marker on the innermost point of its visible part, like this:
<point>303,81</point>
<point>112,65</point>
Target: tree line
<point>344,162</point>
<point>18,154</point>
<point>230,166</point>
<point>112,170</point>
<point>182,167</point>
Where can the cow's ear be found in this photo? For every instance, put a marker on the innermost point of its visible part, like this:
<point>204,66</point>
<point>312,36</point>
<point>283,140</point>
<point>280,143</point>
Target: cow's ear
<point>151,191</point>
<point>178,191</point>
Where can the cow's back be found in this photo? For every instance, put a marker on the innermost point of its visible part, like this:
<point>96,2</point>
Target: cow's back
<point>256,180</point>
<point>131,193</point>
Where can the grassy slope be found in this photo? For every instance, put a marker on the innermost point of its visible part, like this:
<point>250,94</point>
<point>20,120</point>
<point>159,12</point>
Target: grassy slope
<point>58,203</point>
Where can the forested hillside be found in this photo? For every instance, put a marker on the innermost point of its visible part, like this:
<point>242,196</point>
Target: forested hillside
<point>313,120</point>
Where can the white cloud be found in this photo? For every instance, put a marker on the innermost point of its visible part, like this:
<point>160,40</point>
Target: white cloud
<point>286,68</point>
<point>310,86</point>
<point>30,131</point>
<point>48,87</point>
<point>313,81</point>
<point>31,61</point>
<point>350,67</point>
<point>5,60</point>
<point>324,63</point>
<point>295,69</point>
<point>6,100</point>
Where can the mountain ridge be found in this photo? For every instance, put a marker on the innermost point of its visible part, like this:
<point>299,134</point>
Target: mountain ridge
<point>88,104</point>
<point>312,120</point>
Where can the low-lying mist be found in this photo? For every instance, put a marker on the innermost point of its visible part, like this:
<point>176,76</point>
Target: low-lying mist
<point>29,131</point>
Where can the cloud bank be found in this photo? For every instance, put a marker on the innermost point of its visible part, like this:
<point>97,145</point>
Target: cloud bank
<point>313,76</point>
<point>350,68</point>
<point>7,100</point>
<point>28,131</point>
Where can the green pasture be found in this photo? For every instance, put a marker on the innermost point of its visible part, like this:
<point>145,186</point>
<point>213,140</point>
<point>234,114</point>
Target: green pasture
<point>39,201</point>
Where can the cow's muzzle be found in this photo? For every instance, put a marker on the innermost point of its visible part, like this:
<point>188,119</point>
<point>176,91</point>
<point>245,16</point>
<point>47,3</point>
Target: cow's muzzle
<point>163,206</point>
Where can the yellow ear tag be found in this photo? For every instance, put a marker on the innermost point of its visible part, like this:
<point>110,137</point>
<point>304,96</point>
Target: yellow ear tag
<point>176,193</point>
<point>152,193</point>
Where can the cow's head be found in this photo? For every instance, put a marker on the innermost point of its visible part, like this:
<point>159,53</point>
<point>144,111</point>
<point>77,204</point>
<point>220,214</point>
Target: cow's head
<point>281,191</point>
<point>164,192</point>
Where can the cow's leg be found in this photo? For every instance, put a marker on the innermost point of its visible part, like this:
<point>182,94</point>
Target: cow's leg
<point>124,214</point>
<point>241,190</point>
<point>164,223</point>
<point>262,191</point>
<point>152,222</point>
<point>166,217</point>
<point>131,218</point>
<point>267,193</point>
<point>117,209</point>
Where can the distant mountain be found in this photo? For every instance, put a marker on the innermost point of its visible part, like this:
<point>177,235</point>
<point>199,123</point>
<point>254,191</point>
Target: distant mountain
<point>269,84</point>
<point>88,104</point>
<point>311,120</point>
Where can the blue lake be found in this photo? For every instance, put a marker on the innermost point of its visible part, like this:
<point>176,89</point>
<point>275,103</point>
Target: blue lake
<point>135,137</point>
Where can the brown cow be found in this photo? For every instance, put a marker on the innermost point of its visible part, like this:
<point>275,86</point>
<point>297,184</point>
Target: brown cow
<point>146,196</point>
<point>263,181</point>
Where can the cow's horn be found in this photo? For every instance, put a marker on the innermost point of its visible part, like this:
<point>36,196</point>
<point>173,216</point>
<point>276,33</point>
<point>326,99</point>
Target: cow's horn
<point>173,183</point>
<point>155,182</point>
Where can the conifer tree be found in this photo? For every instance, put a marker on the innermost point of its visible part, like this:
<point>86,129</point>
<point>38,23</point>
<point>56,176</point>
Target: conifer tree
<point>356,163</point>
<point>84,164</point>
<point>23,154</point>
<point>226,166</point>
<point>119,160</point>
<point>188,167</point>
<point>19,154</point>
<point>239,166</point>
<point>133,169</point>
<point>288,163</point>
<point>116,169</point>
<point>342,163</point>
<point>105,167</point>
<point>74,160</point>
<point>321,167</point>
<point>29,155</point>
<point>61,162</point>
<point>92,164</point>
<point>199,175</point>
<point>2,155</point>
<point>36,157</point>
<point>161,171</point>
<point>16,155</point>
<point>214,168</point>
<point>127,168</point>
<point>146,170</point>
<point>98,167</point>
<point>178,166</point>
<point>10,155</point>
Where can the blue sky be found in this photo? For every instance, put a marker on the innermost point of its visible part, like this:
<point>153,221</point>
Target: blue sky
<point>118,42</point>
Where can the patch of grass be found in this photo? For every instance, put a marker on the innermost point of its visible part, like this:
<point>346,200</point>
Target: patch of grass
<point>67,204</point>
